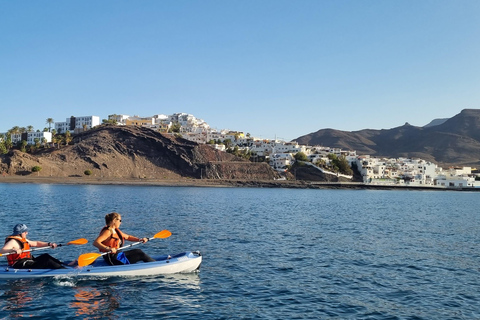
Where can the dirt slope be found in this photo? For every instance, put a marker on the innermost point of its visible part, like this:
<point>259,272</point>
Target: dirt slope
<point>134,152</point>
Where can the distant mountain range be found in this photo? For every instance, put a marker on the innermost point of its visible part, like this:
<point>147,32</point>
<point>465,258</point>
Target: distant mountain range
<point>447,142</point>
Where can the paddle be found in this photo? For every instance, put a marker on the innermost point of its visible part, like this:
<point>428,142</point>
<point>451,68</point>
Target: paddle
<point>88,258</point>
<point>75,242</point>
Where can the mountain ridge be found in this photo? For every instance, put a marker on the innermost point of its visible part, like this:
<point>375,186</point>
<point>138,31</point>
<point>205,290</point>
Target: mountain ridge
<point>452,142</point>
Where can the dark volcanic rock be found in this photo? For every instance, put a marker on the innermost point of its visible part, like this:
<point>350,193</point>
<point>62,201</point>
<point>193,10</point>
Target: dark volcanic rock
<point>135,152</point>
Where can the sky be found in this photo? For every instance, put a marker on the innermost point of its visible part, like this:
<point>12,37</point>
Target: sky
<point>271,68</point>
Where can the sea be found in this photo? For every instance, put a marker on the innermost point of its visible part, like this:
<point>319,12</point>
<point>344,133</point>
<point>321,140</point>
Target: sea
<point>267,253</point>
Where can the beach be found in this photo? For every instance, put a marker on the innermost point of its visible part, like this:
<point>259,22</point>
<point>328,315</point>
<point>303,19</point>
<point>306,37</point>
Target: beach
<point>189,182</point>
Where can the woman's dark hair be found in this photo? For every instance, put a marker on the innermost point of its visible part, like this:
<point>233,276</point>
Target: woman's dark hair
<point>110,217</point>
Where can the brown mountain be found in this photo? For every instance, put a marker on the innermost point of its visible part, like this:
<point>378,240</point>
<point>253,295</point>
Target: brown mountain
<point>453,142</point>
<point>134,153</point>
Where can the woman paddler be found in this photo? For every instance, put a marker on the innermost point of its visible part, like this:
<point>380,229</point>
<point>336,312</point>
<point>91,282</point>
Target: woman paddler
<point>111,239</point>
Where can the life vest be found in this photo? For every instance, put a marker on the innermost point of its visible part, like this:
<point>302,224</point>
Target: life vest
<point>114,241</point>
<point>12,258</point>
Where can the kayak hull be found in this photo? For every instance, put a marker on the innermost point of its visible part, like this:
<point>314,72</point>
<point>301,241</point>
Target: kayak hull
<point>184,262</point>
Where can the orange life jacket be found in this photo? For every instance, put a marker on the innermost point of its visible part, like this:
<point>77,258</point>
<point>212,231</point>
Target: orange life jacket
<point>114,241</point>
<point>12,258</point>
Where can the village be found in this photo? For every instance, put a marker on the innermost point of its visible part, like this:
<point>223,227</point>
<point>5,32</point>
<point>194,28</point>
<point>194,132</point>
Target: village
<point>280,155</point>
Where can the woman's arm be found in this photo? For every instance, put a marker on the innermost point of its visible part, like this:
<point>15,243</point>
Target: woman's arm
<point>134,239</point>
<point>102,237</point>
<point>11,246</point>
<point>41,244</point>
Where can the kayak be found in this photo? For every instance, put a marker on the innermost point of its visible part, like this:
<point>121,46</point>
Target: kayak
<point>166,264</point>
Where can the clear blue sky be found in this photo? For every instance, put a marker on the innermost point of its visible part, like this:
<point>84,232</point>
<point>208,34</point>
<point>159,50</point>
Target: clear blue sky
<point>270,68</point>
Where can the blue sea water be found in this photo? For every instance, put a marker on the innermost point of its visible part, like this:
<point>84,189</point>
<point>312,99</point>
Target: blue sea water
<point>268,253</point>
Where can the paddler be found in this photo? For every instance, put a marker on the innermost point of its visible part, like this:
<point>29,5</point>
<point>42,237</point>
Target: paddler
<point>111,238</point>
<point>17,243</point>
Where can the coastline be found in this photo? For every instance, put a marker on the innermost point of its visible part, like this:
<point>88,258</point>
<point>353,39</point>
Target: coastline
<point>188,182</point>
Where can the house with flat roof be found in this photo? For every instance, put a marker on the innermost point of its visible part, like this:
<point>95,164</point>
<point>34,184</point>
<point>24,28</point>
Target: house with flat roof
<point>77,124</point>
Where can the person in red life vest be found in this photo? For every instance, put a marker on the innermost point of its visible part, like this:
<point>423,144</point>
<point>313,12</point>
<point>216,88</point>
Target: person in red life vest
<point>17,244</point>
<point>111,238</point>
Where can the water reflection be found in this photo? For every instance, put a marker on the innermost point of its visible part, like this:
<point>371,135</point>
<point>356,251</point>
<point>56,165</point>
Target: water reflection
<point>91,302</point>
<point>189,281</point>
<point>18,295</point>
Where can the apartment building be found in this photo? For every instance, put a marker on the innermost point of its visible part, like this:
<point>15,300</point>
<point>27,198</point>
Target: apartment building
<point>31,137</point>
<point>77,124</point>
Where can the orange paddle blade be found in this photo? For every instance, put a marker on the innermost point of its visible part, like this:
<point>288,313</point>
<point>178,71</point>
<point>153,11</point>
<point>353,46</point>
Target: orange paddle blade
<point>87,258</point>
<point>163,234</point>
<point>78,241</point>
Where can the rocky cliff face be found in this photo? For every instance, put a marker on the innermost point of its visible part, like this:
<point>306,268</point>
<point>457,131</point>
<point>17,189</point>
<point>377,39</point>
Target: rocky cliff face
<point>133,152</point>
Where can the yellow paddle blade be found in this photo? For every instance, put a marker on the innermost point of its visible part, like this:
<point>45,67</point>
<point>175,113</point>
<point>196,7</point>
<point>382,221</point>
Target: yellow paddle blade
<point>163,234</point>
<point>87,258</point>
<point>78,241</point>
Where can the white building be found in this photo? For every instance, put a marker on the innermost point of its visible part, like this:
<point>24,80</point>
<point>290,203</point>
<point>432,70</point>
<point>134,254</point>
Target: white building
<point>77,124</point>
<point>119,118</point>
<point>263,148</point>
<point>279,161</point>
<point>31,137</point>
<point>398,171</point>
<point>189,123</point>
<point>457,182</point>
<point>195,137</point>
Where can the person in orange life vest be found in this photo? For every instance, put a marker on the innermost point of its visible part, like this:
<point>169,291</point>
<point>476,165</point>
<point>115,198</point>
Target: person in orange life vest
<point>111,238</point>
<point>17,243</point>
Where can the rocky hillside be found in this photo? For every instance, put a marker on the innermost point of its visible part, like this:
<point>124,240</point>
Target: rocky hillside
<point>133,152</point>
<point>453,142</point>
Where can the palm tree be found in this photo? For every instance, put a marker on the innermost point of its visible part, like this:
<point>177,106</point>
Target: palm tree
<point>3,148</point>
<point>23,146</point>
<point>29,128</point>
<point>14,130</point>
<point>49,122</point>
<point>68,137</point>
<point>8,142</point>
<point>56,139</point>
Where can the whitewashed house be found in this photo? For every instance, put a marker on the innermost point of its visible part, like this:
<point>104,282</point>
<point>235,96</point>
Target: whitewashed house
<point>280,161</point>
<point>195,137</point>
<point>119,118</point>
<point>457,182</point>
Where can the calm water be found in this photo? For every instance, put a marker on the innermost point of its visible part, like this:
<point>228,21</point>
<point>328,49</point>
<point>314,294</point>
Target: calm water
<point>268,253</point>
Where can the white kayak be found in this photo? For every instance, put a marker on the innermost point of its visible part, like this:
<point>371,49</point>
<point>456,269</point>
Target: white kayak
<point>180,263</point>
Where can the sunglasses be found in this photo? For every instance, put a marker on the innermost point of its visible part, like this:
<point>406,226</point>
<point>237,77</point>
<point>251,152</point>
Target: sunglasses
<point>119,220</point>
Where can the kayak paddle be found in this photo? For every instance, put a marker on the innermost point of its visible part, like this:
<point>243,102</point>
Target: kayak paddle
<point>88,258</point>
<point>75,242</point>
